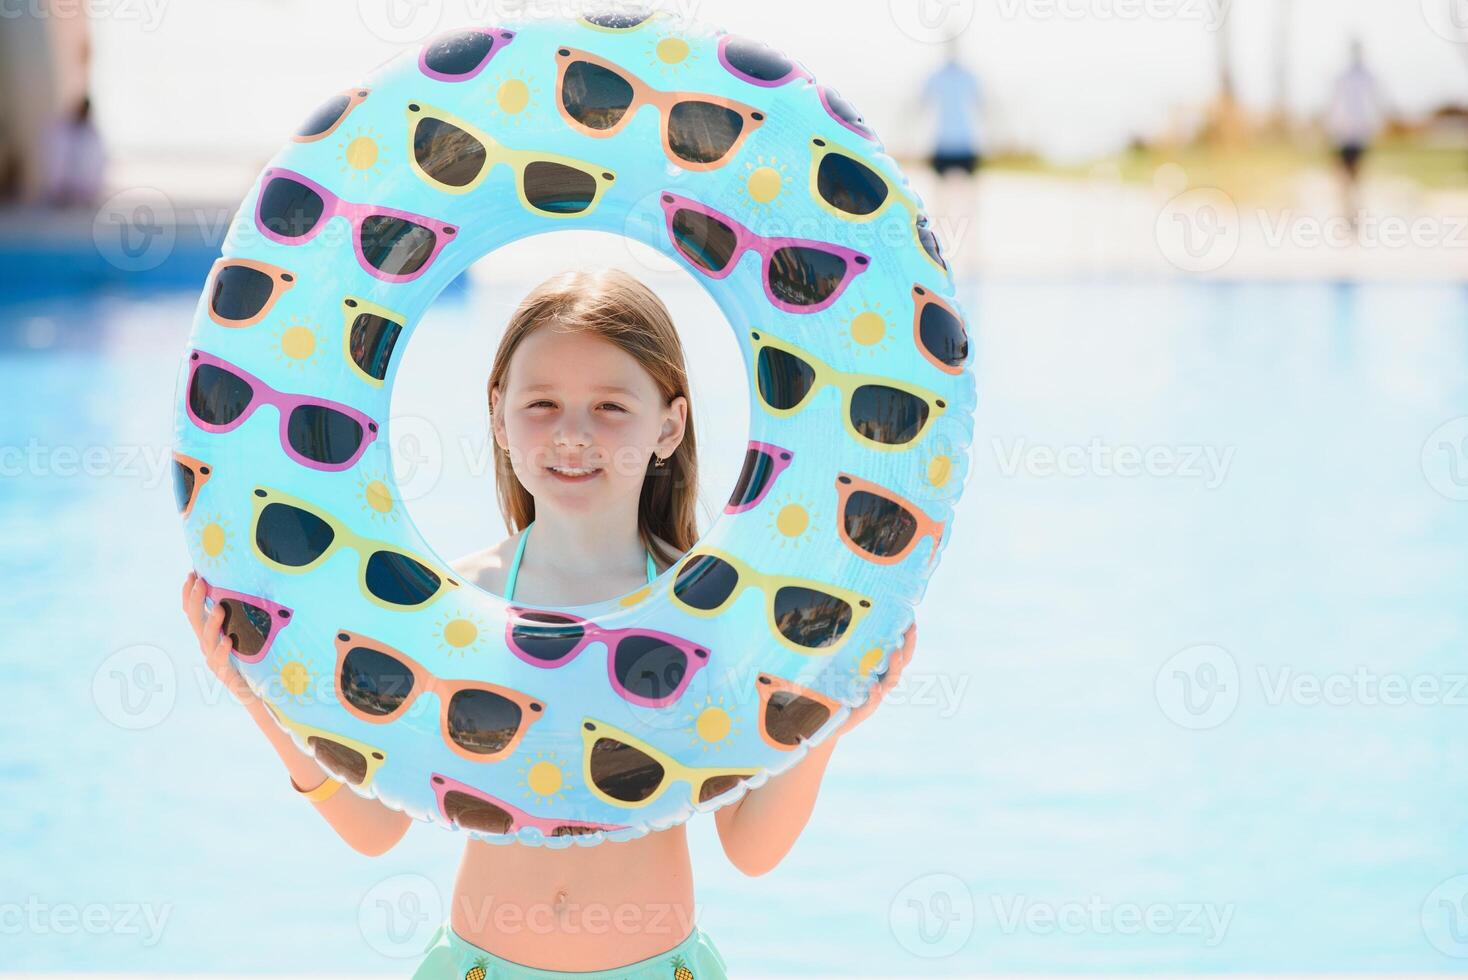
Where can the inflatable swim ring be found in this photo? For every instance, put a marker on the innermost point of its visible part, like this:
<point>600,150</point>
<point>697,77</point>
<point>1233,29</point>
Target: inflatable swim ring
<point>553,726</point>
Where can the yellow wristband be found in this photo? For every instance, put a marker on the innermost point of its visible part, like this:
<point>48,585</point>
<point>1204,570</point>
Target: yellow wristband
<point>320,793</point>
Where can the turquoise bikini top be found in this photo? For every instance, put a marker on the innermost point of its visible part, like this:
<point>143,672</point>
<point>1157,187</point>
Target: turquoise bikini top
<point>652,568</point>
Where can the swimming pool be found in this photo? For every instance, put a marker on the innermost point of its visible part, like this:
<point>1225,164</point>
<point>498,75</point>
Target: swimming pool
<point>1187,693</point>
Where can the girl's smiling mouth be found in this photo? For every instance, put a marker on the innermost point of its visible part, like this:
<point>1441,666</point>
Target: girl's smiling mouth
<point>573,474</point>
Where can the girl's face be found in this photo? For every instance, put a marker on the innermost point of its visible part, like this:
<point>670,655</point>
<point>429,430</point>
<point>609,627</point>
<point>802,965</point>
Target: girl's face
<point>581,419</point>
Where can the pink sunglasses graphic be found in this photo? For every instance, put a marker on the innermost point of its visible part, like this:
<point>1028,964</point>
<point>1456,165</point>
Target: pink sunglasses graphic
<point>759,64</point>
<point>763,464</point>
<point>461,55</point>
<point>251,623</point>
<point>317,433</point>
<point>392,245</point>
<point>646,667</point>
<point>801,275</point>
<point>472,809</point>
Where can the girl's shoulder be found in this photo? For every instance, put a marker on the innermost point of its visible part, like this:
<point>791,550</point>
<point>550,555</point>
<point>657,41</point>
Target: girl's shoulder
<point>488,567</point>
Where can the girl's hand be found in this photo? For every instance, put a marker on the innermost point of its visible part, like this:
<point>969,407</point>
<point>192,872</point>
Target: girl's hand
<point>895,663</point>
<point>217,647</point>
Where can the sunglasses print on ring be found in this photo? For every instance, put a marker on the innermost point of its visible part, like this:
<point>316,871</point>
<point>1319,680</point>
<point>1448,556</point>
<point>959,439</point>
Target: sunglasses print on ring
<point>880,412</point>
<point>315,432</point>
<point>620,21</point>
<point>453,156</point>
<point>462,55</point>
<point>879,525</point>
<point>800,275</point>
<point>479,721</point>
<point>852,191</point>
<point>292,536</point>
<point>807,617</point>
<point>251,622</point>
<point>699,131</point>
<point>189,477</point>
<point>623,771</point>
<point>790,714</point>
<point>463,806</point>
<point>242,291</point>
<point>330,115</point>
<point>391,245</point>
<point>646,667</point>
<point>347,759</point>
<point>763,464</point>
<point>759,64</point>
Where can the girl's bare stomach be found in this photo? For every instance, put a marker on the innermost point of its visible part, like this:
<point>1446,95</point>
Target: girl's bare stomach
<point>577,908</point>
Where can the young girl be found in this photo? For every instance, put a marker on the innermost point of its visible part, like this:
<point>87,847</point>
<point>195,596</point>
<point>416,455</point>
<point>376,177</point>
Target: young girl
<point>596,466</point>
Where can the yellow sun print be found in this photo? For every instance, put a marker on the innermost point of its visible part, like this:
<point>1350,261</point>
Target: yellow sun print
<point>543,778</point>
<point>298,343</point>
<point>361,155</point>
<point>710,724</point>
<point>459,635</point>
<point>376,497</point>
<point>790,520</point>
<point>764,181</point>
<point>293,678</point>
<point>514,97</point>
<point>868,330</point>
<point>215,540</point>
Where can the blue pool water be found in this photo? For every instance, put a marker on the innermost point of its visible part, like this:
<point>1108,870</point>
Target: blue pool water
<point>1155,721</point>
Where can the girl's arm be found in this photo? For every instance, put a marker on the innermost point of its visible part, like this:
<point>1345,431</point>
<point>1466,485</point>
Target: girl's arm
<point>366,825</point>
<point>759,830</point>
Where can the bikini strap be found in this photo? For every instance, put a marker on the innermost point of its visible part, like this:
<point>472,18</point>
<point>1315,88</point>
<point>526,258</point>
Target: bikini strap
<point>514,572</point>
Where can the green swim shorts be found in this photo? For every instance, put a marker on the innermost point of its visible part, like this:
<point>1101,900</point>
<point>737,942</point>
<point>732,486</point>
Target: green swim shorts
<point>449,956</point>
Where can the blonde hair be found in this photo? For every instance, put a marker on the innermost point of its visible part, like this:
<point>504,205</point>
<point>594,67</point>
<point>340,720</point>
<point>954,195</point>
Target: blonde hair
<point>615,307</point>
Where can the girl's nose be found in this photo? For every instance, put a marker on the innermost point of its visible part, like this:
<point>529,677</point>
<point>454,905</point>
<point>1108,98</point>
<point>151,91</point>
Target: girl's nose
<point>574,430</point>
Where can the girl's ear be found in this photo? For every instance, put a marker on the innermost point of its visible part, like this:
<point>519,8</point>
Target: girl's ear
<point>496,418</point>
<point>675,423</point>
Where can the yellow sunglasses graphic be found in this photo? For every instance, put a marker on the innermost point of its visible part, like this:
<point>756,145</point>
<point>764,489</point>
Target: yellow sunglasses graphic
<point>808,617</point>
<point>883,413</point>
<point>623,771</point>
<point>845,186</point>
<point>455,157</point>
<point>289,535</point>
<point>369,336</point>
<point>345,758</point>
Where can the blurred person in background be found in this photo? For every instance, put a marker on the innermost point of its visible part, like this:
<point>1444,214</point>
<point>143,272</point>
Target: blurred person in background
<point>953,91</point>
<point>1352,121</point>
<point>75,159</point>
<point>27,101</point>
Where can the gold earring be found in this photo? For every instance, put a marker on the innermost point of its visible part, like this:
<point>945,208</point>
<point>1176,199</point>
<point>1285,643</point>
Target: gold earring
<point>661,461</point>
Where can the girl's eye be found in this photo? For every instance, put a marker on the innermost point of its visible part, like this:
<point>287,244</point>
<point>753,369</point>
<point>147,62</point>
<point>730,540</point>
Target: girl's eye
<point>612,405</point>
<point>540,403</point>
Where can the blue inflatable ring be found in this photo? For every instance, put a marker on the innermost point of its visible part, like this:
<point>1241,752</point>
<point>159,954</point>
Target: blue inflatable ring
<point>606,721</point>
